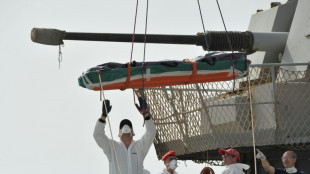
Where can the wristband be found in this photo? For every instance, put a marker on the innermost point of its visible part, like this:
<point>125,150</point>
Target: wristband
<point>103,115</point>
<point>101,120</point>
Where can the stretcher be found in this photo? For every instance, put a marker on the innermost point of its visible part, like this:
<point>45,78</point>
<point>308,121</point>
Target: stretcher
<point>212,67</point>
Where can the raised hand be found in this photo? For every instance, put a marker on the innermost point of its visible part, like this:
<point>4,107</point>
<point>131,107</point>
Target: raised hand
<point>106,108</point>
<point>260,155</point>
<point>143,106</point>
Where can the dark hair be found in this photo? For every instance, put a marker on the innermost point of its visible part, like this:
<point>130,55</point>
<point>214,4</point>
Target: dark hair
<point>125,122</point>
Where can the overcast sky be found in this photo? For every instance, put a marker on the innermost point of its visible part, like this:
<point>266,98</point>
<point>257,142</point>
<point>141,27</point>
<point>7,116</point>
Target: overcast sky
<point>47,120</point>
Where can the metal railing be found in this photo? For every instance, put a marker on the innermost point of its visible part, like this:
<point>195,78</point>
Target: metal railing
<point>204,117</point>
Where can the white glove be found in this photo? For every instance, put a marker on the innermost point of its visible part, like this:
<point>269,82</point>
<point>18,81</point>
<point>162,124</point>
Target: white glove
<point>260,155</point>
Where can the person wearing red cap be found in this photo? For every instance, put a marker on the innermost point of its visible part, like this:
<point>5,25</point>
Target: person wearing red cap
<point>170,162</point>
<point>130,153</point>
<point>231,157</point>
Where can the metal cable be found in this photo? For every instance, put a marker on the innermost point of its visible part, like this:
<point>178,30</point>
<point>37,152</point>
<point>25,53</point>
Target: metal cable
<point>134,31</point>
<point>228,39</point>
<point>203,27</point>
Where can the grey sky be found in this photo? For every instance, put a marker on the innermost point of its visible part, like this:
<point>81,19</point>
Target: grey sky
<point>47,120</point>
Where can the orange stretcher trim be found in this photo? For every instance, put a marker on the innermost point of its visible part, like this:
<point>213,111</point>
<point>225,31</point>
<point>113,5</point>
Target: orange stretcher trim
<point>169,81</point>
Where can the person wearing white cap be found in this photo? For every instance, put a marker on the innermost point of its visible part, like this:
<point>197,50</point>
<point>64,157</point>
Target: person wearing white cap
<point>231,157</point>
<point>130,153</point>
<point>288,159</point>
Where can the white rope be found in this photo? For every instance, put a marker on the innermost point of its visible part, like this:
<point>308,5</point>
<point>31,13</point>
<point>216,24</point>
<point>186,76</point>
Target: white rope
<point>106,110</point>
<point>252,118</point>
<point>59,56</point>
<point>100,83</point>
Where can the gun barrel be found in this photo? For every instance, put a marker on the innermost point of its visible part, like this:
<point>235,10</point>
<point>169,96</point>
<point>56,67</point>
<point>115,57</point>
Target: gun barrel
<point>216,40</point>
<point>149,38</point>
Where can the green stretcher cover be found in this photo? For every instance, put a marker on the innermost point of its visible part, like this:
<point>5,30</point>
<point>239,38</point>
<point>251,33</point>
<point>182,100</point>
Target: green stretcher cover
<point>209,68</point>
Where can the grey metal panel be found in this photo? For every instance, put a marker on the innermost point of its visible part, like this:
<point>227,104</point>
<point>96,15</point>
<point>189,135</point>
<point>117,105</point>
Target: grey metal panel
<point>292,106</point>
<point>292,109</point>
<point>264,114</point>
<point>298,43</point>
<point>277,19</point>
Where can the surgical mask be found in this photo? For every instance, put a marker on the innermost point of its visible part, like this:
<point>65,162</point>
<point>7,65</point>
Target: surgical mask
<point>173,164</point>
<point>125,130</point>
<point>291,170</point>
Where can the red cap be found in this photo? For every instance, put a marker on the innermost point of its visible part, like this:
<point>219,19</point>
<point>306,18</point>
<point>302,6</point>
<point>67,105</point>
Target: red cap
<point>230,152</point>
<point>170,153</point>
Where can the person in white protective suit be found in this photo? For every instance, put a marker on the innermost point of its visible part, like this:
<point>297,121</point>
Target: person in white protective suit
<point>231,157</point>
<point>170,162</point>
<point>130,153</point>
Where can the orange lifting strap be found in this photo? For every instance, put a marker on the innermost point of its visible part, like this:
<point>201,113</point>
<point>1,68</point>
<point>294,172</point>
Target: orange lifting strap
<point>194,73</point>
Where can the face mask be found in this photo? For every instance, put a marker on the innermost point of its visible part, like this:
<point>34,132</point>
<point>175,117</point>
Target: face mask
<point>291,170</point>
<point>173,164</point>
<point>125,130</point>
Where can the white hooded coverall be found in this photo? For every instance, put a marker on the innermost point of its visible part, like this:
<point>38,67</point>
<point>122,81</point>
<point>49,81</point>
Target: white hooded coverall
<point>235,168</point>
<point>131,159</point>
<point>165,171</point>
